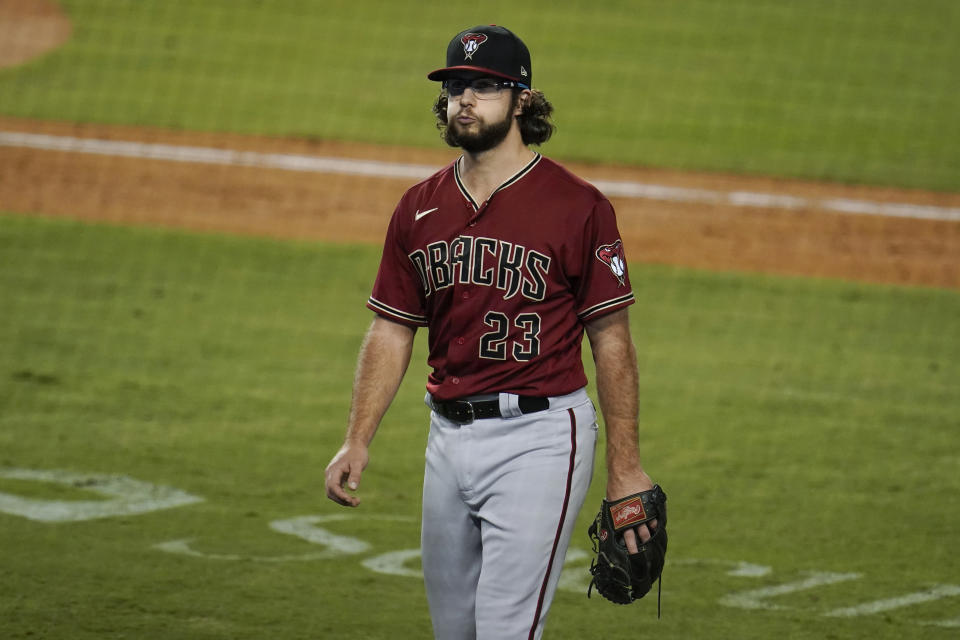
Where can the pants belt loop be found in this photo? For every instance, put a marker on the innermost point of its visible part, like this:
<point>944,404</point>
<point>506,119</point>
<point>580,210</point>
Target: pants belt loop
<point>510,405</point>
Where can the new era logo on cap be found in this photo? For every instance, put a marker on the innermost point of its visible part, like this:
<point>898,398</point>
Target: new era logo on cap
<point>490,50</point>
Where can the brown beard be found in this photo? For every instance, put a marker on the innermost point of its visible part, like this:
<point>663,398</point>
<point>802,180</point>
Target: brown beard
<point>487,136</point>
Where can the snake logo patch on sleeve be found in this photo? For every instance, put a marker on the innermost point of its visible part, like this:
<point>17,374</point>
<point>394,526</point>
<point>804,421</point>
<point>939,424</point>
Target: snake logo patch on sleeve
<point>612,256</point>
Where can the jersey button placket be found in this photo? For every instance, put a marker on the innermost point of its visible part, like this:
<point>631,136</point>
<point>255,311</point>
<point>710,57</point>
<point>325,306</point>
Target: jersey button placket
<point>475,215</point>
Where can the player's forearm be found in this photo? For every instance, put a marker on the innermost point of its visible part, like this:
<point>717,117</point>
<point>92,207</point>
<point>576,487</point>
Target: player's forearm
<point>617,392</point>
<point>383,360</point>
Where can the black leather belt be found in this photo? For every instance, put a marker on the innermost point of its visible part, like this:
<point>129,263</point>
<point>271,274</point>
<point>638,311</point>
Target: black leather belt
<point>466,411</point>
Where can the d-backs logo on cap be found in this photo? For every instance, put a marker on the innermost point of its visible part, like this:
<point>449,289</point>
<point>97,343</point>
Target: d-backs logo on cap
<point>471,42</point>
<point>612,256</point>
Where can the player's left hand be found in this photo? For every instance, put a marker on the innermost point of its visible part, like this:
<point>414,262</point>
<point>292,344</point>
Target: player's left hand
<point>619,488</point>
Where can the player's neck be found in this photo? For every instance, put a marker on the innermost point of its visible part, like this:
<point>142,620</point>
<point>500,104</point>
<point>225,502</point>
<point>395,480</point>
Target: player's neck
<point>482,173</point>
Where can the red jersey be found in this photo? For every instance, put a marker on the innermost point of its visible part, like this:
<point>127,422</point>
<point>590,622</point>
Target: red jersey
<point>504,285</point>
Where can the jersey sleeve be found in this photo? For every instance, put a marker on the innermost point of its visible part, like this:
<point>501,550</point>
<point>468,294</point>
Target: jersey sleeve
<point>604,283</point>
<point>398,292</point>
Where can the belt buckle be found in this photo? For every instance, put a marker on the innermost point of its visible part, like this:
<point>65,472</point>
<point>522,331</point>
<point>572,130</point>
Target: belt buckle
<point>470,412</point>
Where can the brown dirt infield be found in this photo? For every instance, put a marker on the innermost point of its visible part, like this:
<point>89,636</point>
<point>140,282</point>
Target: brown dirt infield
<point>30,28</point>
<point>343,208</point>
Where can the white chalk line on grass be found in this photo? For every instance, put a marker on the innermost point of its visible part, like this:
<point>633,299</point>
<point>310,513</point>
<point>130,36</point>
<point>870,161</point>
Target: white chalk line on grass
<point>375,168</point>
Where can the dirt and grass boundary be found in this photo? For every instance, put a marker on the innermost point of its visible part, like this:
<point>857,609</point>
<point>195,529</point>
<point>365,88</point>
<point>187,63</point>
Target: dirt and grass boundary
<point>799,240</point>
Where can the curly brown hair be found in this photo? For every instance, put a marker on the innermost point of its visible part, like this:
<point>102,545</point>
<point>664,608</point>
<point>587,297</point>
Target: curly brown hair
<point>535,125</point>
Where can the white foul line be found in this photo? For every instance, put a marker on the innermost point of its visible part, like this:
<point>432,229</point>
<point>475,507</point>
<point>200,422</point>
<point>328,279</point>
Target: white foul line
<point>754,598</point>
<point>934,593</point>
<point>374,168</point>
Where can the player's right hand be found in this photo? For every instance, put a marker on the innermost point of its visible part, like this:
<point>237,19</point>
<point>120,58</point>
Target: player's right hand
<point>344,472</point>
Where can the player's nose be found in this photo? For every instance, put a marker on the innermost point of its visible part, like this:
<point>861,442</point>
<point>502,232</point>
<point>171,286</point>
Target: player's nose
<point>468,96</point>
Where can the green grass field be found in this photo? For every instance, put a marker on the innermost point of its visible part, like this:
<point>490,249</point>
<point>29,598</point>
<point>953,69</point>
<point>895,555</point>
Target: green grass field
<point>801,425</point>
<point>857,91</point>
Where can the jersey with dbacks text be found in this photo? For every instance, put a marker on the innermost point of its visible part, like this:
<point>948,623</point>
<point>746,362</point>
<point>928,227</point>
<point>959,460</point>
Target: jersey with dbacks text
<point>505,285</point>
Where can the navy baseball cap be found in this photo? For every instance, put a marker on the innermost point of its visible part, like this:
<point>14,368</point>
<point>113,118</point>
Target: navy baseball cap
<point>490,50</point>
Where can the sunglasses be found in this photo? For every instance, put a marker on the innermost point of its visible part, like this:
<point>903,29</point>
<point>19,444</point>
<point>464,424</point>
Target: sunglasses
<point>483,88</point>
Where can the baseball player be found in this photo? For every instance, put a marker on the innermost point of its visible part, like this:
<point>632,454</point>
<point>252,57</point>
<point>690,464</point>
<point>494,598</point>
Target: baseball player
<point>507,259</point>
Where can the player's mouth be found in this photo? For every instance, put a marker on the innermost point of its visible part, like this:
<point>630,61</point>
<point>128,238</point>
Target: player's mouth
<point>465,118</point>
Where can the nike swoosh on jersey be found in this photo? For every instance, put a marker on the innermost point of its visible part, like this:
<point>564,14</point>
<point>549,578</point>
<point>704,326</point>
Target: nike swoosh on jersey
<point>419,214</point>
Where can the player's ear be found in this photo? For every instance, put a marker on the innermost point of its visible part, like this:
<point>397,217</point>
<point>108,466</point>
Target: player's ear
<point>523,99</point>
